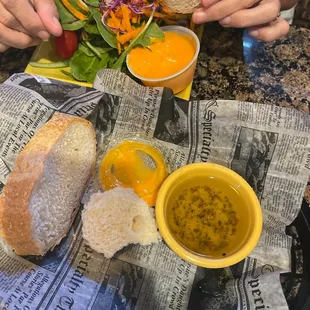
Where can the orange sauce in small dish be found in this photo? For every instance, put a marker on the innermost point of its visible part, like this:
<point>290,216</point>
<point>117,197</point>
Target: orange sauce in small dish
<point>163,58</point>
<point>136,165</point>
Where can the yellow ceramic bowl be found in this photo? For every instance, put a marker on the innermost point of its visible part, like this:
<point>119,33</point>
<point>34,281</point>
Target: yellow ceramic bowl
<point>180,80</point>
<point>248,209</point>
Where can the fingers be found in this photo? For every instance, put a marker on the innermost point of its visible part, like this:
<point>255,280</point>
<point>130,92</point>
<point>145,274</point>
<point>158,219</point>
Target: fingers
<point>7,19</point>
<point>220,10</point>
<point>208,3</point>
<point>265,12</point>
<point>3,48</point>
<point>24,12</point>
<point>271,32</point>
<point>48,13</point>
<point>14,38</point>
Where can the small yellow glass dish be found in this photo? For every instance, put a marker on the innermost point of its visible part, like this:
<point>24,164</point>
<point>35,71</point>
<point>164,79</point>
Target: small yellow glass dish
<point>134,164</point>
<point>219,226</point>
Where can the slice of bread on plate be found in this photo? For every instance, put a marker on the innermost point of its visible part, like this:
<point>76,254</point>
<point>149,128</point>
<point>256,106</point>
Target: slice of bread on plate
<point>116,218</point>
<point>42,196</point>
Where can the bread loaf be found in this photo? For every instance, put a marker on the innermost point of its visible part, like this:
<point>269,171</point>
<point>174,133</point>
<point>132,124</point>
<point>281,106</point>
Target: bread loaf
<point>43,192</point>
<point>183,7</point>
<point>116,218</point>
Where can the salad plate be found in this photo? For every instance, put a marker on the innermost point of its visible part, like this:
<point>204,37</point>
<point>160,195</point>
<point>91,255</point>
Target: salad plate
<point>101,39</point>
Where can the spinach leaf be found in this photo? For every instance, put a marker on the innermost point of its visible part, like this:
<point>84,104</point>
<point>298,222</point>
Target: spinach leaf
<point>93,2</point>
<point>107,36</point>
<point>152,32</point>
<point>76,25</point>
<point>85,48</point>
<point>67,74</point>
<point>92,29</point>
<point>67,20</point>
<point>143,38</point>
<point>84,68</point>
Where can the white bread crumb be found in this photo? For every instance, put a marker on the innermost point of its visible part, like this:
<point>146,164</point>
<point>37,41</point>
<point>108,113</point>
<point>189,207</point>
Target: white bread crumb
<point>117,218</point>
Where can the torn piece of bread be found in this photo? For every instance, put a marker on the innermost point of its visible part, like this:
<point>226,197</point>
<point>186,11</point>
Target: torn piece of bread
<point>42,196</point>
<point>183,7</point>
<point>116,218</point>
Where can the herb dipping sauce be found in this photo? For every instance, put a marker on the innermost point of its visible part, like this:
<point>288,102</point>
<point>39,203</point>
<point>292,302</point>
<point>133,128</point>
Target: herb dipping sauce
<point>205,217</point>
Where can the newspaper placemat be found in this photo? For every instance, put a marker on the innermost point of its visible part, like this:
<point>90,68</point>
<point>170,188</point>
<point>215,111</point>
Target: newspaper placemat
<point>269,146</point>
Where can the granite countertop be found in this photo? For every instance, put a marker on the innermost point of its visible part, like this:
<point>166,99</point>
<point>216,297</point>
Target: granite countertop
<point>232,65</point>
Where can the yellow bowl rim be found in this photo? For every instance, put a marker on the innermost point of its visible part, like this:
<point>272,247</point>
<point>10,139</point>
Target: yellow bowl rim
<point>173,28</point>
<point>196,259</point>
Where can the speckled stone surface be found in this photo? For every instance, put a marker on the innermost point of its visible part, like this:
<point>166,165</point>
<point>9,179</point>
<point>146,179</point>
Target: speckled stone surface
<point>14,61</point>
<point>231,65</point>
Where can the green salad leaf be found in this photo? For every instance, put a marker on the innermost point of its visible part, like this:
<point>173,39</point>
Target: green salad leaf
<point>106,34</point>
<point>93,2</point>
<point>143,39</point>
<point>67,20</point>
<point>153,31</point>
<point>84,68</point>
<point>90,50</point>
<point>92,29</point>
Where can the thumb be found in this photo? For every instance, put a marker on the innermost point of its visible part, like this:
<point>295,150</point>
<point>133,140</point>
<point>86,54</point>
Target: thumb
<point>48,13</point>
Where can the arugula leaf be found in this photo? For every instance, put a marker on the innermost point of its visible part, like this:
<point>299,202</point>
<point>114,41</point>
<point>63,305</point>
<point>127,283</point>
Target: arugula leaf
<point>142,38</point>
<point>107,36</point>
<point>67,20</point>
<point>84,68</point>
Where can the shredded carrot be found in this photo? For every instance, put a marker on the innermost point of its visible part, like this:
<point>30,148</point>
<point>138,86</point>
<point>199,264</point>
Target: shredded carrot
<point>124,38</point>
<point>73,10</point>
<point>119,12</point>
<point>114,22</point>
<point>119,48</point>
<point>126,18</point>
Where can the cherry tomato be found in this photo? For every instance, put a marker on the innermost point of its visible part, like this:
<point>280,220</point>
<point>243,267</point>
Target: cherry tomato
<point>66,44</point>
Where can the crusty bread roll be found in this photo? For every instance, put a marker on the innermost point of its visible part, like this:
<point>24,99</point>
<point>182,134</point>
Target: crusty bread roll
<point>43,192</point>
<point>116,218</point>
<point>183,7</point>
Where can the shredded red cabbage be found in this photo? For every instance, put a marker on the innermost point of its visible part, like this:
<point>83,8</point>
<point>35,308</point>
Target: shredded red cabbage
<point>136,6</point>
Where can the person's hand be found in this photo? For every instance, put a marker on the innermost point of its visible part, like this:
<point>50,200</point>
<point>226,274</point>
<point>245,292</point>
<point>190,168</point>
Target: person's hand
<point>24,23</point>
<point>260,17</point>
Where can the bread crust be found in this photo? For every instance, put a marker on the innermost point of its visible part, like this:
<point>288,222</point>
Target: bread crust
<point>183,7</point>
<point>15,217</point>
